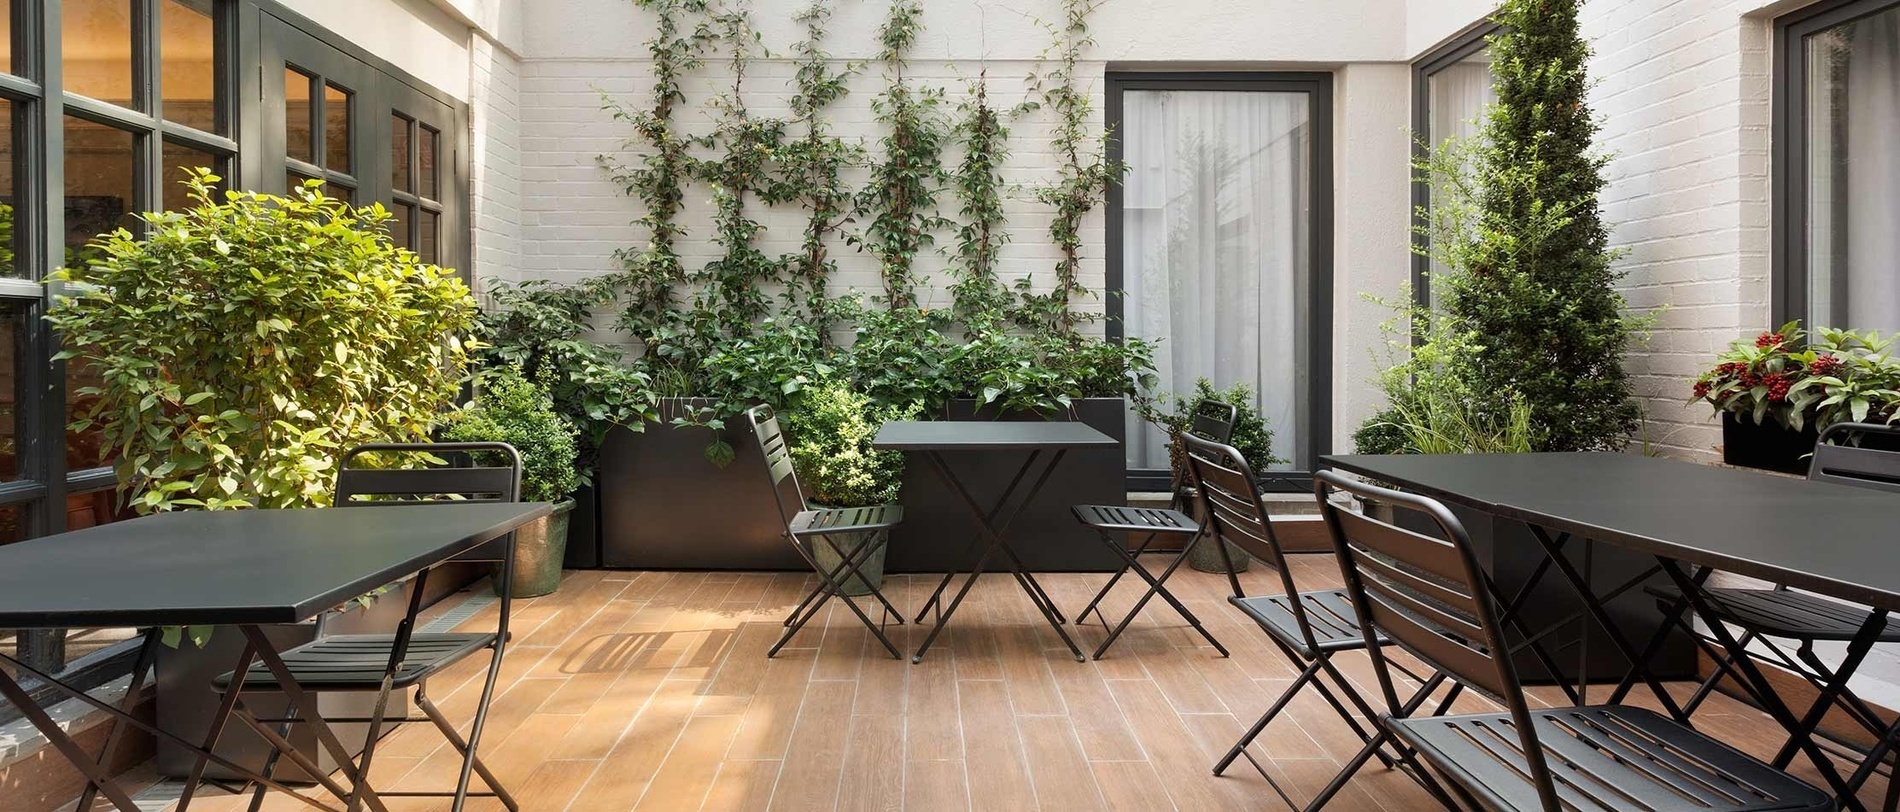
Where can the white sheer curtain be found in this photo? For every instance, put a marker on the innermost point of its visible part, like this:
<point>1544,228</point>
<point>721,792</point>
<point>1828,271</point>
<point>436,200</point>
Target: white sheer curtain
<point>1214,247</point>
<point>1456,98</point>
<point>1854,174</point>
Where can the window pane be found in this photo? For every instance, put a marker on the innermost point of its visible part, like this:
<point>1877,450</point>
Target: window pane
<point>401,215</point>
<point>399,129</point>
<point>178,159</point>
<point>96,47</point>
<point>297,116</point>
<point>336,128</point>
<point>427,238</point>
<point>9,267</point>
<point>1216,254</point>
<point>1853,123</point>
<point>99,198</point>
<point>6,37</point>
<point>187,49</point>
<point>14,318</point>
<point>426,159</point>
<point>1456,100</point>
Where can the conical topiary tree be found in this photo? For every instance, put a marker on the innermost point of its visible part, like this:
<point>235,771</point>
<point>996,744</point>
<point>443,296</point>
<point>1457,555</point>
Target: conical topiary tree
<point>1536,290</point>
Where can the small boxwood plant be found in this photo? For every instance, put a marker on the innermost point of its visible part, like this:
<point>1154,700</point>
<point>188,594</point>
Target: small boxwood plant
<point>511,409</point>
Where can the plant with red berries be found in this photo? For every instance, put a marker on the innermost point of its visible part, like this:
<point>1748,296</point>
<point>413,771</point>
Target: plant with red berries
<point>1797,380</point>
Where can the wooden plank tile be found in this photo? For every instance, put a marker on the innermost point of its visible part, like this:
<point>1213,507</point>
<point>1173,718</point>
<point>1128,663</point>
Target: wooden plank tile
<point>687,774</point>
<point>936,785</point>
<point>873,776</point>
<point>1130,786</point>
<point>815,756</point>
<point>992,748</point>
<point>766,728</point>
<point>1099,725</point>
<point>935,732</point>
<point>742,786</point>
<point>1056,765</point>
<point>627,769</point>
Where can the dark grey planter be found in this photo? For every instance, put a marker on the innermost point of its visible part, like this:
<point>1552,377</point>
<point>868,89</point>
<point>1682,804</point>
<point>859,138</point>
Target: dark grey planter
<point>938,534</point>
<point>1510,553</point>
<point>186,701</point>
<point>583,531</point>
<point>663,506</point>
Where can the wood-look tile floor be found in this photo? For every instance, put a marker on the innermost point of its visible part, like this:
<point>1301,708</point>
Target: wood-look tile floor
<point>652,691</point>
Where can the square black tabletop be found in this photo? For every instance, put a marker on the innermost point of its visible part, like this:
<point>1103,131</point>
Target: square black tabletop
<point>988,435</point>
<point>236,566</point>
<point>1833,539</point>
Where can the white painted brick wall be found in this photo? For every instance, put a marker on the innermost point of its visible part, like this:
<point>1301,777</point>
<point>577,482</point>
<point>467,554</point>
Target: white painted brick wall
<point>495,182</point>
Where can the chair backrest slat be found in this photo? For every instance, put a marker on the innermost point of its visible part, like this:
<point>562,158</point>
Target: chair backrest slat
<point>1859,466</point>
<point>1230,502</point>
<point>775,447</point>
<point>467,476</point>
<point>1214,420</point>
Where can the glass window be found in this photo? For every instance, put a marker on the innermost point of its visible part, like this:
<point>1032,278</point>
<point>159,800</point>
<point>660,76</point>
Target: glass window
<point>1852,217</point>
<point>96,49</point>
<point>336,128</point>
<point>401,215</point>
<point>400,130</point>
<point>298,141</point>
<point>1215,253</point>
<point>15,316</point>
<point>427,229</point>
<point>6,38</point>
<point>178,159</point>
<point>9,265</point>
<point>99,197</point>
<point>1456,96</point>
<point>187,51</point>
<point>427,162</point>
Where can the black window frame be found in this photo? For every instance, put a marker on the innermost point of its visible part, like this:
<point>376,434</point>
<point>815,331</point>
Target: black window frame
<point>1788,152</point>
<point>1317,309</point>
<point>1453,51</point>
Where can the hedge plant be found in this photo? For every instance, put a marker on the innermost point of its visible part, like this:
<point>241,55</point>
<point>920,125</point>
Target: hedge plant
<point>511,409</point>
<point>243,343</point>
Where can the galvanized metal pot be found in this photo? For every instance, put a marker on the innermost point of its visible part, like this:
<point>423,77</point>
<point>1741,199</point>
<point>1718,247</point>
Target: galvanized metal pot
<point>540,548</point>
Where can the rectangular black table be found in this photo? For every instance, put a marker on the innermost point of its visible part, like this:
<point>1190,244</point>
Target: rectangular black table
<point>1833,540</point>
<point>1033,440</point>
<point>245,568</point>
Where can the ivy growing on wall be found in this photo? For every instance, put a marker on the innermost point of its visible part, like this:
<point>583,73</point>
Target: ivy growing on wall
<point>978,187</point>
<point>899,203</point>
<point>658,179</point>
<point>1083,174</point>
<point>731,292</point>
<point>811,166</point>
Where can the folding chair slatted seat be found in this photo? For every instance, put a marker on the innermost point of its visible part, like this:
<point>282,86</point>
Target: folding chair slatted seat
<point>1428,595</point>
<point>1803,618</point>
<point>806,527</point>
<point>1334,623</point>
<point>1212,420</point>
<point>359,663</point>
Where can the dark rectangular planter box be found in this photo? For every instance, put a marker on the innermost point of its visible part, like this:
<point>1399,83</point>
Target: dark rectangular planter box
<point>663,506</point>
<point>186,701</point>
<point>1510,553</point>
<point>938,534</point>
<point>583,531</point>
<point>1769,446</point>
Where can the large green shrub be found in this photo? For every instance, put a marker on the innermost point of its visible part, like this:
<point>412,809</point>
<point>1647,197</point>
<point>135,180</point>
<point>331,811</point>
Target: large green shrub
<point>831,430</point>
<point>510,409</point>
<point>242,343</point>
<point>1536,279</point>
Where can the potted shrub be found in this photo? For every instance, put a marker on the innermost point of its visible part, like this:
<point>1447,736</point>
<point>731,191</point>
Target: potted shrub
<point>1776,392</point>
<point>1251,437</point>
<point>511,409</point>
<point>240,346</point>
<point>830,430</point>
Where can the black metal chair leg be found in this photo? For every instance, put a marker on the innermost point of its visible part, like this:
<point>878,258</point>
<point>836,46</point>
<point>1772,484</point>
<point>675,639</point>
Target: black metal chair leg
<point>834,585</point>
<point>1372,747</point>
<point>226,704</point>
<point>1857,649</point>
<point>148,650</point>
<point>1307,675</point>
<point>469,755</point>
<point>280,745</point>
<point>1365,710</point>
<point>1157,586</point>
<point>1117,577</point>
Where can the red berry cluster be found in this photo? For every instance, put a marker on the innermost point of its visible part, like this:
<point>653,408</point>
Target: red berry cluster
<point>1766,340</point>
<point>1778,385</point>
<point>1750,380</point>
<point>1702,389</point>
<point>1732,368</point>
<point>1825,365</point>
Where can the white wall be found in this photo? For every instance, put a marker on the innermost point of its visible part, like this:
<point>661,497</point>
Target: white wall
<point>414,35</point>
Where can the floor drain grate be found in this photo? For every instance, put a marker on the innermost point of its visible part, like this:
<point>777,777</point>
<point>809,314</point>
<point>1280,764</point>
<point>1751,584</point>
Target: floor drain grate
<point>460,613</point>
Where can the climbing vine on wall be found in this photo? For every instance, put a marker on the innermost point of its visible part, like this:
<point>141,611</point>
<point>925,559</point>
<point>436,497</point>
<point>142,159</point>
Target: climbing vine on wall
<point>731,292</point>
<point>1083,174</point>
<point>978,187</point>
<point>899,203</point>
<point>659,177</point>
<point>811,164</point>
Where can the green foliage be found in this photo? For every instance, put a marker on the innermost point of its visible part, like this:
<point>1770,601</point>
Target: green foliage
<point>1535,278</point>
<point>539,330</point>
<point>811,164</point>
<point>1082,177</point>
<point>831,432</point>
<point>511,409</point>
<point>313,333</point>
<point>1797,380</point>
<point>1431,405</point>
<point>902,355</point>
<point>977,185</point>
<point>1174,414</point>
<point>658,179</point>
<point>899,204</point>
<point>731,287</point>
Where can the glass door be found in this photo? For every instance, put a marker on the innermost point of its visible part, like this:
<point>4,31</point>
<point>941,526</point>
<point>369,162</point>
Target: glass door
<point>312,116</point>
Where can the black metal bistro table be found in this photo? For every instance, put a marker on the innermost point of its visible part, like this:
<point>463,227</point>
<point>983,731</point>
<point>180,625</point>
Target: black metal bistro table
<point>244,568</point>
<point>1833,540</point>
<point>1046,442</point>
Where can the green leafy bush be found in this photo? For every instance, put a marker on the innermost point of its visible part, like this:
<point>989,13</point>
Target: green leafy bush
<point>244,342</point>
<point>831,430</point>
<point>1252,437</point>
<point>511,409</point>
<point>1431,405</point>
<point>1796,380</point>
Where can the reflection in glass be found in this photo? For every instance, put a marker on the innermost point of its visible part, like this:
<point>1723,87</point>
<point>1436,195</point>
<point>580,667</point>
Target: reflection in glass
<point>96,49</point>
<point>9,266</point>
<point>399,134</point>
<point>178,159</point>
<point>426,159</point>
<point>1853,216</point>
<point>6,37</point>
<point>13,321</point>
<point>401,215</point>
<point>99,198</point>
<point>336,128</point>
<point>187,50</point>
<point>1457,96</point>
<point>1216,248</point>
<point>297,116</point>
<point>427,238</point>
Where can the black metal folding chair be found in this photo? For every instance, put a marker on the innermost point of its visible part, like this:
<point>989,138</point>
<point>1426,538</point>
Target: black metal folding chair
<point>1765,615</point>
<point>1428,595</point>
<point>1307,627</point>
<point>804,528</point>
<point>1212,421</point>
<point>391,663</point>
